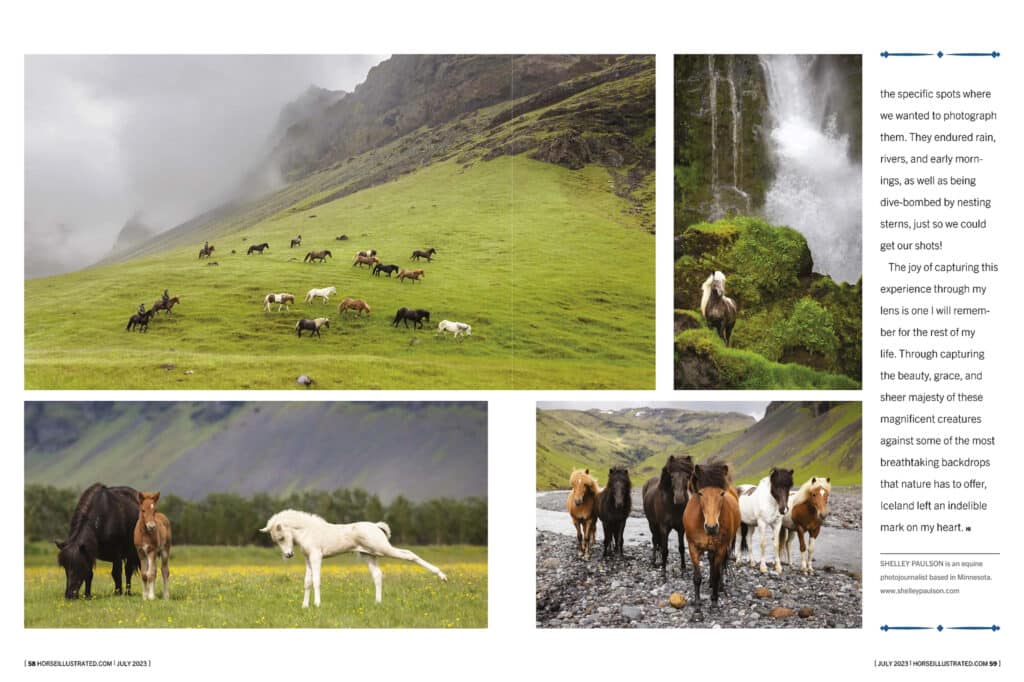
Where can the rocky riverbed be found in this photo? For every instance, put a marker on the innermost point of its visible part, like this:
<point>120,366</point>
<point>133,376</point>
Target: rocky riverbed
<point>629,593</point>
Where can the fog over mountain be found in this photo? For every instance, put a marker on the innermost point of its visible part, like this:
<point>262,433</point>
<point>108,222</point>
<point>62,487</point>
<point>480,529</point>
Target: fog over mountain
<point>152,139</point>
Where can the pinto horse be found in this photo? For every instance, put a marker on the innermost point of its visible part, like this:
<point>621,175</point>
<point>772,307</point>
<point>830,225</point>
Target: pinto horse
<point>357,304</point>
<point>665,499</point>
<point>101,530</point>
<point>317,255</point>
<point>718,309</point>
<point>414,275</point>
<point>808,508</point>
<point>258,248</point>
<point>406,314</point>
<point>166,307</point>
<point>206,252</point>
<point>140,320</point>
<point>389,269</point>
<point>428,254</point>
<point>312,326</point>
<point>763,506</point>
<point>282,301</point>
<point>296,242</point>
<point>710,520</point>
<point>152,538</point>
<point>318,539</point>
<point>614,503</point>
<point>582,506</point>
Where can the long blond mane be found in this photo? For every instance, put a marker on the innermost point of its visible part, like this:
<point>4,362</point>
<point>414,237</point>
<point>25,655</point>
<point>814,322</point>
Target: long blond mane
<point>807,489</point>
<point>588,480</point>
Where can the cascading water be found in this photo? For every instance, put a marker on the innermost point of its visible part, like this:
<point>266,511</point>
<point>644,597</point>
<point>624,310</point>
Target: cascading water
<point>817,186</point>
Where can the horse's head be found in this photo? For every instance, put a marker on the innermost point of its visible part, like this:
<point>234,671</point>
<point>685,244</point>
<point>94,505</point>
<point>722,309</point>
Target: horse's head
<point>675,476</point>
<point>781,481</point>
<point>147,509</point>
<point>582,484</point>
<point>619,484</point>
<point>77,558</point>
<point>710,483</point>
<point>283,537</point>
<point>820,489</point>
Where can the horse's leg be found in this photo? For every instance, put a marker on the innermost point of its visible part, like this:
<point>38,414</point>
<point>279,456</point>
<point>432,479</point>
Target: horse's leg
<point>682,552</point>
<point>695,561</point>
<point>396,553</point>
<point>776,532</point>
<point>115,573</point>
<point>314,562</point>
<point>375,573</point>
<point>165,569</point>
<point>810,549</point>
<point>762,529</point>
<point>306,584</point>
<point>803,549</point>
<point>579,536</point>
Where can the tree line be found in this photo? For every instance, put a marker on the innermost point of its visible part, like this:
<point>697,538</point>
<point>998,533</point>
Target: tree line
<point>230,519</point>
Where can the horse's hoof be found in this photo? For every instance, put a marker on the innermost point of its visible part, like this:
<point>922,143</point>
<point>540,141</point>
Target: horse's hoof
<point>697,617</point>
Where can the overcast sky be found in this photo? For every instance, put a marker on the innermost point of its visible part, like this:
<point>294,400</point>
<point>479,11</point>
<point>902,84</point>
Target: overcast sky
<point>166,136</point>
<point>754,409</point>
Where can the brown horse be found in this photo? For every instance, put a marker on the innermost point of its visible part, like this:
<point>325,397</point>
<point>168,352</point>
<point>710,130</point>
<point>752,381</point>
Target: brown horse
<point>582,506</point>
<point>414,275</point>
<point>206,252</point>
<point>665,499</point>
<point>808,508</point>
<point>428,254</point>
<point>357,304</point>
<point>166,307</point>
<point>711,518</point>
<point>317,255</point>
<point>365,260</point>
<point>152,538</point>
<point>718,309</point>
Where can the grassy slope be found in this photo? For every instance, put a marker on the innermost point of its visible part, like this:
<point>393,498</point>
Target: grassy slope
<point>530,254</point>
<point>246,587</point>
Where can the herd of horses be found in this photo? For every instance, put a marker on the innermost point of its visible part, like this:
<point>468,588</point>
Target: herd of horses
<point>123,526</point>
<point>710,515</point>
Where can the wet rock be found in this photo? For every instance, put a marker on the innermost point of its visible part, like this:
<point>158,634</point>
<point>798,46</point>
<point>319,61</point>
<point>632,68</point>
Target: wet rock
<point>805,612</point>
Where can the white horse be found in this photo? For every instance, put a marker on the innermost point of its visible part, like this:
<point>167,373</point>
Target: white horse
<point>764,506</point>
<point>282,300</point>
<point>318,539</point>
<point>324,293</point>
<point>457,328</point>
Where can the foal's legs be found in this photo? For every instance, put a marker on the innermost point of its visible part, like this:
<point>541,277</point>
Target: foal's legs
<point>307,583</point>
<point>375,573</point>
<point>314,562</point>
<point>396,553</point>
<point>165,570</point>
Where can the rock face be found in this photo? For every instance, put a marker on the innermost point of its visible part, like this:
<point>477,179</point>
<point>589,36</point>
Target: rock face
<point>132,234</point>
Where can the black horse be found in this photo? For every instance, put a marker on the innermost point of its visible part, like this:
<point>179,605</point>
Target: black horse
<point>141,320</point>
<point>665,500</point>
<point>102,527</point>
<point>341,238</point>
<point>417,317</point>
<point>613,506</point>
<point>379,268</point>
<point>258,248</point>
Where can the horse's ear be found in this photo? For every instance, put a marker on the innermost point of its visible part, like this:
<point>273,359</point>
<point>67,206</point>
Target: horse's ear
<point>828,480</point>
<point>587,471</point>
<point>773,470</point>
<point>60,544</point>
<point>156,497</point>
<point>265,529</point>
<point>138,498</point>
<point>813,480</point>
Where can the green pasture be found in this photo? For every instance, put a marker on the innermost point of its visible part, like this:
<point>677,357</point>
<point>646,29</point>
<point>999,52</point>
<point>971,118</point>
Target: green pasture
<point>250,587</point>
<point>552,270</point>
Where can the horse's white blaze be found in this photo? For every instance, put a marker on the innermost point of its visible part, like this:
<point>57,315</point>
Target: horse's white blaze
<point>318,539</point>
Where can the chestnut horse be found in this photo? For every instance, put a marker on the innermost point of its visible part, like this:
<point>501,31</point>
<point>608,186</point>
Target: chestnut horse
<point>665,499</point>
<point>152,538</point>
<point>357,304</point>
<point>808,508</point>
<point>614,503</point>
<point>711,518</point>
<point>317,256</point>
<point>414,275</point>
<point>206,252</point>
<point>166,307</point>
<point>368,261</point>
<point>582,506</point>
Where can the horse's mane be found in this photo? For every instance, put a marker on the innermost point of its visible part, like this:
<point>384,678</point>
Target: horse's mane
<point>705,295</point>
<point>715,475</point>
<point>805,490</point>
<point>293,518</point>
<point>84,506</point>
<point>588,480</point>
<point>619,472</point>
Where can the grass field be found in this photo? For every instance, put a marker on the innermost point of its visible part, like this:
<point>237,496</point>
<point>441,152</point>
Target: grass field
<point>551,269</point>
<point>250,587</point>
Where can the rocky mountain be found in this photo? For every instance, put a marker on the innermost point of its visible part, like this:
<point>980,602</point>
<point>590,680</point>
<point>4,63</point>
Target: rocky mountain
<point>819,438</point>
<point>418,450</point>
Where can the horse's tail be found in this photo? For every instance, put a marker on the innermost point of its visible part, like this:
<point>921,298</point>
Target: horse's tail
<point>384,527</point>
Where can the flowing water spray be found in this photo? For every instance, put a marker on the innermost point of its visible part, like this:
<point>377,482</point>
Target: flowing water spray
<point>817,186</point>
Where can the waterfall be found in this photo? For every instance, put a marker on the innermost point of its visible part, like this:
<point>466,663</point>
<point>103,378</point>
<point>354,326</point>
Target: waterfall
<point>817,187</point>
<point>736,138</point>
<point>713,91</point>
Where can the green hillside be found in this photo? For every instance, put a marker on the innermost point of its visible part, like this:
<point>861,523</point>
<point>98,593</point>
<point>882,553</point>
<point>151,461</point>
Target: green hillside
<point>820,439</point>
<point>541,211</point>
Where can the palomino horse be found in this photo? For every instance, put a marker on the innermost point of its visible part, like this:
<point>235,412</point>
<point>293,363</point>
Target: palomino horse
<point>324,293</point>
<point>357,304</point>
<point>282,301</point>
<point>317,256</point>
<point>718,309</point>
<point>665,499</point>
<point>428,254</point>
<point>711,518</point>
<point>417,316</point>
<point>166,307</point>
<point>582,506</point>
<point>368,261</point>
<point>414,275</point>
<point>258,248</point>
<point>763,506</point>
<point>614,503</point>
<point>152,538</point>
<point>140,320</point>
<point>318,539</point>
<point>312,326</point>
<point>206,252</point>
<point>456,328</point>
<point>808,508</point>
